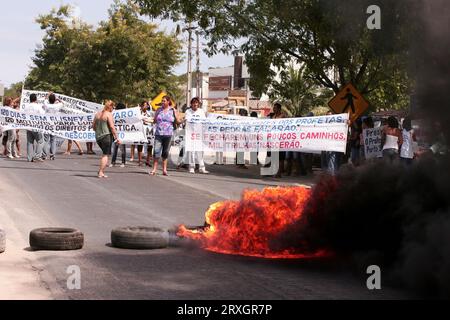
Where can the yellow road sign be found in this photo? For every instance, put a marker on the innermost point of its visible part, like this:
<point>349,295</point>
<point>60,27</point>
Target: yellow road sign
<point>156,103</point>
<point>349,100</point>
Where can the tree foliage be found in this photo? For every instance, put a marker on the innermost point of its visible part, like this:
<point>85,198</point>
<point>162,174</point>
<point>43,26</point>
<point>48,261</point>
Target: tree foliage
<point>14,90</point>
<point>123,59</point>
<point>297,91</point>
<point>329,36</point>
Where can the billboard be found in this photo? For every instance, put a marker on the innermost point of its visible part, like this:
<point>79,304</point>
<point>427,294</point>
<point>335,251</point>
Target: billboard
<point>220,83</point>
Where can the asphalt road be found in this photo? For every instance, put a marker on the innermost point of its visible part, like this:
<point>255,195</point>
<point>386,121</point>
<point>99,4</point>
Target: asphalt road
<point>66,192</point>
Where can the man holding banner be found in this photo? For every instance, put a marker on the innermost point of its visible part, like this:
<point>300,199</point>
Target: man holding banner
<point>34,152</point>
<point>51,107</point>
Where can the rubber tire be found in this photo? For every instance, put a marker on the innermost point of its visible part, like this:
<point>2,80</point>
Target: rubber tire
<point>2,241</point>
<point>140,238</point>
<point>56,239</point>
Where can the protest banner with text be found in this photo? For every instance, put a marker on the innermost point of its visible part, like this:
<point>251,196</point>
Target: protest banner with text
<point>70,105</point>
<point>312,134</point>
<point>128,124</point>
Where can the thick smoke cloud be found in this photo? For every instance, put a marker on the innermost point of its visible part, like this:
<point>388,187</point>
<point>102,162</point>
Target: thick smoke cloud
<point>390,215</point>
<point>430,63</point>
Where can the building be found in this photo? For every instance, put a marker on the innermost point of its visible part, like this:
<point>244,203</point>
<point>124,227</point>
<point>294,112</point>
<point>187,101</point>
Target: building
<point>228,90</point>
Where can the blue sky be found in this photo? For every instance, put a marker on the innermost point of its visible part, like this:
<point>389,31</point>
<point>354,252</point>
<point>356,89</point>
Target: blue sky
<point>20,34</point>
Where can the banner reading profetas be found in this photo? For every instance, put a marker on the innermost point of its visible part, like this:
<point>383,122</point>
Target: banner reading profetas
<point>312,134</point>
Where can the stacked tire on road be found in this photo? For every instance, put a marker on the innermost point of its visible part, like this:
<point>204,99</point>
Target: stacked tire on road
<point>139,238</point>
<point>56,239</point>
<point>2,241</point>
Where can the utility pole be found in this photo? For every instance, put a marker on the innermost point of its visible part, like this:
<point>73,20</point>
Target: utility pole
<point>198,66</point>
<point>189,29</point>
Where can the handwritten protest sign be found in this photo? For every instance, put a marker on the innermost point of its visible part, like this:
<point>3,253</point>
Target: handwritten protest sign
<point>372,143</point>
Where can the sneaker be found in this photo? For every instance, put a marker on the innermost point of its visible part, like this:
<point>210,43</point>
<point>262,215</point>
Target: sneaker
<point>204,171</point>
<point>38,160</point>
<point>52,158</point>
<point>11,157</point>
<point>112,165</point>
<point>192,171</point>
<point>122,165</point>
<point>18,156</point>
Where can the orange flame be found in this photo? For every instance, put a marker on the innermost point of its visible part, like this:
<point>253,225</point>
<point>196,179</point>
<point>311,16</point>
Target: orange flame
<point>246,227</point>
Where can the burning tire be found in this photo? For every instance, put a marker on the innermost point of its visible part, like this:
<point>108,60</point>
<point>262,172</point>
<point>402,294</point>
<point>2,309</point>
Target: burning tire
<point>140,238</point>
<point>180,241</point>
<point>56,239</point>
<point>2,241</point>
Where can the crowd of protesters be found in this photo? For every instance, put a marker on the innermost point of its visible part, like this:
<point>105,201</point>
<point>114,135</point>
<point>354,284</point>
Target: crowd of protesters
<point>398,140</point>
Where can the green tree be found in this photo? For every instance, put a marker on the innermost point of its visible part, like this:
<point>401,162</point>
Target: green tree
<point>297,92</point>
<point>124,59</point>
<point>330,37</point>
<point>14,90</point>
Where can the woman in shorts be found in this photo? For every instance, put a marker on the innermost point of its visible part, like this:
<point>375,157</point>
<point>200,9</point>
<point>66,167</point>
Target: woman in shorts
<point>105,134</point>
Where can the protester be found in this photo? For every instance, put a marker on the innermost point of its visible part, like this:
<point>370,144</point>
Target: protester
<point>148,116</point>
<point>105,132</point>
<point>367,123</point>
<point>240,156</point>
<point>254,154</point>
<point>51,107</point>
<point>4,141</point>
<point>69,147</point>
<point>140,147</point>
<point>89,147</point>
<point>278,114</point>
<point>16,106</point>
<point>409,139</point>
<point>195,112</point>
<point>330,160</point>
<point>116,146</point>
<point>355,141</point>
<point>34,152</point>
<point>306,159</point>
<point>166,119</point>
<point>11,135</point>
<point>391,140</point>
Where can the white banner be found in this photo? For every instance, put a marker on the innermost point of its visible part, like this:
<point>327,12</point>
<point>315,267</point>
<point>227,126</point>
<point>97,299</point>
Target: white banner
<point>78,127</point>
<point>372,143</point>
<point>327,133</point>
<point>70,105</point>
<point>219,116</point>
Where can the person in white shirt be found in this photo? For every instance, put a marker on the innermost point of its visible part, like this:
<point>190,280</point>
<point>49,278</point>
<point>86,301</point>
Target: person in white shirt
<point>11,152</point>
<point>195,112</point>
<point>51,106</point>
<point>409,141</point>
<point>34,153</point>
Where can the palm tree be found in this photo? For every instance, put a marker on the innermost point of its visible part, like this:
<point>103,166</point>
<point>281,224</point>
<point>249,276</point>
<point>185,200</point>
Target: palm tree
<point>297,91</point>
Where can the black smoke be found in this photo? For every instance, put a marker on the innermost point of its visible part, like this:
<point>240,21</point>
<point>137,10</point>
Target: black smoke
<point>390,215</point>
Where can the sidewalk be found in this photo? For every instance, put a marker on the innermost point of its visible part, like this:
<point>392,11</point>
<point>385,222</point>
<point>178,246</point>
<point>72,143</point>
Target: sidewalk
<point>19,279</point>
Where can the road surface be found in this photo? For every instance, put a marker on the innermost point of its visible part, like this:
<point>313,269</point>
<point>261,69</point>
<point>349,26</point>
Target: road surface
<point>66,192</point>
